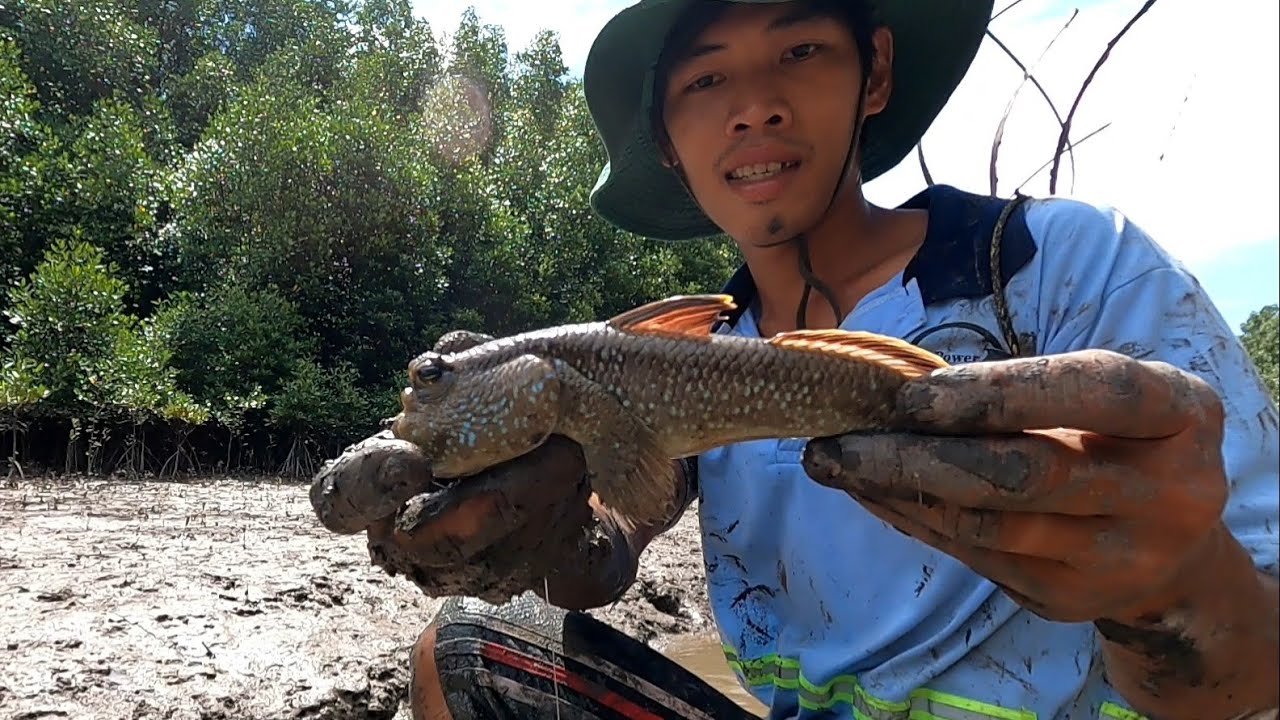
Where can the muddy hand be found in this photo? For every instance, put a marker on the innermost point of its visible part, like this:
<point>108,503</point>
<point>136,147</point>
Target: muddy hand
<point>369,481</point>
<point>491,535</point>
<point>1108,520</point>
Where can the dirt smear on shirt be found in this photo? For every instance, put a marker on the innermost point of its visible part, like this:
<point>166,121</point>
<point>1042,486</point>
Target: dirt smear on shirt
<point>223,598</point>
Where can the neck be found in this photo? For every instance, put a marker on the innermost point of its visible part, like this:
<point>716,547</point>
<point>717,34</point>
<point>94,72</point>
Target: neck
<point>857,248</point>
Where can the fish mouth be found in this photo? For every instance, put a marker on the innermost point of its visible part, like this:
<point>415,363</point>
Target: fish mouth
<point>409,402</point>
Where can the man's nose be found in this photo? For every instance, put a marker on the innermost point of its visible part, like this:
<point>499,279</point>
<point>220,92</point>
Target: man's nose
<point>759,113</point>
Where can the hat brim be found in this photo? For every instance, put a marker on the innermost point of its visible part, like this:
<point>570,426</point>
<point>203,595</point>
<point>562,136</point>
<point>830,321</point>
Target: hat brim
<point>934,41</point>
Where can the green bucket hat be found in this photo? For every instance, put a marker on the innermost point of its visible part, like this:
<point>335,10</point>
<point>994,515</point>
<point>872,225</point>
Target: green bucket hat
<point>934,42</point>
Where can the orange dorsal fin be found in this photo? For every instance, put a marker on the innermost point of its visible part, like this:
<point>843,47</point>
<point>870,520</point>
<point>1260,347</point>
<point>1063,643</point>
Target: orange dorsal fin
<point>903,357</point>
<point>687,316</point>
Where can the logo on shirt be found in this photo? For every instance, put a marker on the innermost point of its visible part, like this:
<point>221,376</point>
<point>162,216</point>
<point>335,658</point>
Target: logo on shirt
<point>962,342</point>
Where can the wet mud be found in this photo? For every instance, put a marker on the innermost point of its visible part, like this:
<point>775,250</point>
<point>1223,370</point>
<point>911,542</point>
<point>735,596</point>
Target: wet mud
<point>225,598</point>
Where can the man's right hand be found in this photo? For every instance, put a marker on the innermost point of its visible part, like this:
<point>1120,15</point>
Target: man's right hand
<point>528,524</point>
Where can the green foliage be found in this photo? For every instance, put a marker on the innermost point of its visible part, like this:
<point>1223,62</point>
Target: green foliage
<point>20,387</point>
<point>79,355</point>
<point>1260,335</point>
<point>227,225</point>
<point>233,346</point>
<point>138,380</point>
<point>334,208</point>
<point>78,52</point>
<point>70,318</point>
<point>18,104</point>
<point>396,57</point>
<point>96,179</point>
<point>323,404</point>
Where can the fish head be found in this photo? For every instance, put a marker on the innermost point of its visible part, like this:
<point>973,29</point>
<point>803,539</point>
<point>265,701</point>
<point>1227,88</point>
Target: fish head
<point>426,404</point>
<point>468,412</point>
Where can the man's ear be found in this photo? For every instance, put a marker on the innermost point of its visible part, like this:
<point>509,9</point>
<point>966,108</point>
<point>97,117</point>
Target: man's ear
<point>880,75</point>
<point>669,157</point>
<point>666,151</point>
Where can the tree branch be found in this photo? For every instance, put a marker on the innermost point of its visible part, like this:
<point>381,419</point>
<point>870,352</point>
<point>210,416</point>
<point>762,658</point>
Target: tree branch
<point>1048,162</point>
<point>1027,75</point>
<point>1006,9</point>
<point>1066,126</point>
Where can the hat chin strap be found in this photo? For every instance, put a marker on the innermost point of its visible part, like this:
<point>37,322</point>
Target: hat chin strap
<point>811,281</point>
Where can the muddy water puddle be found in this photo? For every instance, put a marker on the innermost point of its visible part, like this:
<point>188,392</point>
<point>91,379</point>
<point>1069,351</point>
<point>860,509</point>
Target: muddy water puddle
<point>702,655</point>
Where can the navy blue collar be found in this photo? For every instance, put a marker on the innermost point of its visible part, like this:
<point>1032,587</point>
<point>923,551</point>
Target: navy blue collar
<point>954,260</point>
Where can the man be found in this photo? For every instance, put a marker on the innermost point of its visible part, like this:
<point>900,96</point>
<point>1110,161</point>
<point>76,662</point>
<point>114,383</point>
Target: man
<point>988,565</point>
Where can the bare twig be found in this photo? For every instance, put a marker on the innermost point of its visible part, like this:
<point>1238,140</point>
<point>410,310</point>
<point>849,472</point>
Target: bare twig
<point>1006,9</point>
<point>1173,128</point>
<point>1027,75</point>
<point>182,450</point>
<point>299,462</point>
<point>1043,92</point>
<point>924,168</point>
<point>1066,127</point>
<point>14,464</point>
<point>1049,162</point>
<point>208,652</point>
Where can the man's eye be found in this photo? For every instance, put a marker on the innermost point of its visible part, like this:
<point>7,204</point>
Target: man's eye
<point>702,82</point>
<point>802,51</point>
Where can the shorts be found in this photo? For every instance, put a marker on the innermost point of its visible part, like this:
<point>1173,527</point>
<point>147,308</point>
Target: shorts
<point>499,661</point>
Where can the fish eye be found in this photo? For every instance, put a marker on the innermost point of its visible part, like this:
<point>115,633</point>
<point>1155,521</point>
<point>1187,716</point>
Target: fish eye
<point>430,373</point>
<point>429,369</point>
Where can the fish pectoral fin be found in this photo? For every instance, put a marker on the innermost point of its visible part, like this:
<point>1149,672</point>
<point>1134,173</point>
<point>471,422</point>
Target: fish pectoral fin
<point>901,356</point>
<point>629,469</point>
<point>631,475</point>
<point>459,340</point>
<point>685,316</point>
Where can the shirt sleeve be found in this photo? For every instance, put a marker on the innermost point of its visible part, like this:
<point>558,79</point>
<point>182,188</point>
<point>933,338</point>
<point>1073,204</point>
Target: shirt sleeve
<point>1105,283</point>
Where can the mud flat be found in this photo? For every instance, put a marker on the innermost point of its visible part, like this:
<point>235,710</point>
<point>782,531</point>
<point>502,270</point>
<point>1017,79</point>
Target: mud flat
<point>224,598</point>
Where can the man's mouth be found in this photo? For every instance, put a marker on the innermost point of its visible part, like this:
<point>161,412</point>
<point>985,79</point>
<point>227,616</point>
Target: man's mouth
<point>760,171</point>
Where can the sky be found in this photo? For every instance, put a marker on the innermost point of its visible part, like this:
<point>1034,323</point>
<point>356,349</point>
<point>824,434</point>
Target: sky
<point>1192,152</point>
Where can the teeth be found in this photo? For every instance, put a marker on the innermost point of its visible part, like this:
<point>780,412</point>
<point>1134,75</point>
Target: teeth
<point>759,170</point>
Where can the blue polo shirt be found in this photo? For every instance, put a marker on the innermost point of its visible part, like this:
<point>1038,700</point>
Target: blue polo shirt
<point>826,611</point>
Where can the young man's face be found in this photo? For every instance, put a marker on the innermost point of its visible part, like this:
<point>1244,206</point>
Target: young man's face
<point>760,113</point>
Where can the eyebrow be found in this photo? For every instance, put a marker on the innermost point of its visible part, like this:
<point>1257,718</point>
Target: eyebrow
<point>787,20</point>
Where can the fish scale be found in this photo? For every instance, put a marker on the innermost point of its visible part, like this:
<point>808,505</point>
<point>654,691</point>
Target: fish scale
<point>646,387</point>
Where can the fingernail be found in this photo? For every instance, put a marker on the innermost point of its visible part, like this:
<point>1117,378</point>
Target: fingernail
<point>849,454</point>
<point>824,458</point>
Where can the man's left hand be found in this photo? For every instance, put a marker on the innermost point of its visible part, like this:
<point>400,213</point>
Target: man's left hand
<point>1088,485</point>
